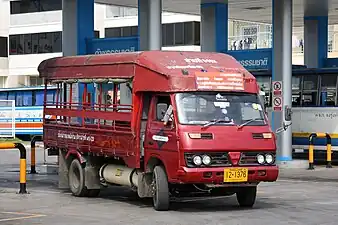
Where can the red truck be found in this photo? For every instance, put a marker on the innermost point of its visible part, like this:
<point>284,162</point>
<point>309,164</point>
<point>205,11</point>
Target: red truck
<point>164,123</point>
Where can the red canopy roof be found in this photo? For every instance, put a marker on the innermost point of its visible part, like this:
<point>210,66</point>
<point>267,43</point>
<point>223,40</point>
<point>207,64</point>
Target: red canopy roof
<point>165,70</point>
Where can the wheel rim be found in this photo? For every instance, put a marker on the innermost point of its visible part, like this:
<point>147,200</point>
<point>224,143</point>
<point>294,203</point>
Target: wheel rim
<point>75,178</point>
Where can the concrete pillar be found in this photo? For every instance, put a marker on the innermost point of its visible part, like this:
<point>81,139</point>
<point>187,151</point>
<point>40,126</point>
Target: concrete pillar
<point>282,71</point>
<point>315,41</point>
<point>150,24</point>
<point>77,26</point>
<point>214,26</point>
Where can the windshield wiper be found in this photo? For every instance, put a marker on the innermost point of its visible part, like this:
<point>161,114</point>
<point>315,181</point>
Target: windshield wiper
<point>249,121</point>
<point>213,122</point>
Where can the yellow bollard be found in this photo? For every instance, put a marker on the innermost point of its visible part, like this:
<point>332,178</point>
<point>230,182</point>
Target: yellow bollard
<point>311,147</point>
<point>23,154</point>
<point>328,151</point>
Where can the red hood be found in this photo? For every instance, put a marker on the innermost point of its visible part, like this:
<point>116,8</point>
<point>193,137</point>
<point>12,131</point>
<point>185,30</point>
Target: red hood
<point>226,138</point>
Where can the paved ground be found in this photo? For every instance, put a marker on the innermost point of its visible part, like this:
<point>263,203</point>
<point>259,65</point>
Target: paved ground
<point>288,201</point>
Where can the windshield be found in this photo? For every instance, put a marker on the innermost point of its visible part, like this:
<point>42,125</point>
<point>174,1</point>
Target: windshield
<point>219,108</point>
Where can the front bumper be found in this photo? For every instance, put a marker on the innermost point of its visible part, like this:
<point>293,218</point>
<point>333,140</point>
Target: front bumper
<point>216,175</point>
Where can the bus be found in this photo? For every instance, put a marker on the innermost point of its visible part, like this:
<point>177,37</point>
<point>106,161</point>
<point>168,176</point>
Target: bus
<point>28,109</point>
<point>315,108</point>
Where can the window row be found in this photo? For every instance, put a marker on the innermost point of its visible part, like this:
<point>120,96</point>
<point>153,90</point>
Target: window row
<point>49,42</point>
<point>3,47</point>
<point>29,6</point>
<point>27,97</point>
<point>307,90</point>
<point>173,34</point>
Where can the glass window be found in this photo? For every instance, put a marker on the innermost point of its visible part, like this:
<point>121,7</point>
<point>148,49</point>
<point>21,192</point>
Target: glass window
<point>197,34</point>
<point>28,44</point>
<point>264,83</point>
<point>310,82</point>
<point>50,96</point>
<point>165,100</point>
<point>35,43</point>
<point>296,90</point>
<point>19,99</point>
<point>11,95</point>
<point>328,96</point>
<point>27,98</point>
<point>38,97</point>
<point>44,43</point>
<point>188,33</point>
<point>126,31</point>
<point>21,44</point>
<point>169,34</point>
<point>3,95</point>
<point>3,47</point>
<point>113,32</point>
<point>96,34</point>
<point>179,33</point>
<point>28,6</point>
<point>228,109</point>
<point>13,44</point>
<point>134,31</point>
<point>164,36</point>
<point>50,5</point>
<point>57,42</point>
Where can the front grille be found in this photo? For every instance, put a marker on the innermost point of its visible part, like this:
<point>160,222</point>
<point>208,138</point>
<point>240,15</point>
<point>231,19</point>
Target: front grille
<point>218,159</point>
<point>250,158</point>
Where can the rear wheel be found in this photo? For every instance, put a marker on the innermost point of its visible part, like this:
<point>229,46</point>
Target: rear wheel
<point>246,197</point>
<point>160,189</point>
<point>76,179</point>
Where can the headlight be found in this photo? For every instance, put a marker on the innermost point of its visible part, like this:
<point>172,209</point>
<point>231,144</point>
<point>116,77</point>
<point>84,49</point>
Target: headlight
<point>197,160</point>
<point>206,160</point>
<point>269,158</point>
<point>260,159</point>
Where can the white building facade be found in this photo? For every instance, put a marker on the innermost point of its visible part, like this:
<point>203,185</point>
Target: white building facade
<point>31,31</point>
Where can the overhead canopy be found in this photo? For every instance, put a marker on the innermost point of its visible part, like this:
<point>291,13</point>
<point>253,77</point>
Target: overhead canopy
<point>249,10</point>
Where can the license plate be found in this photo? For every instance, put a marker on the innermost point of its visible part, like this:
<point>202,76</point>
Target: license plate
<point>236,175</point>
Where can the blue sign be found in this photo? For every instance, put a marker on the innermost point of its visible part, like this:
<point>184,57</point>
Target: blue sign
<point>257,59</point>
<point>112,45</point>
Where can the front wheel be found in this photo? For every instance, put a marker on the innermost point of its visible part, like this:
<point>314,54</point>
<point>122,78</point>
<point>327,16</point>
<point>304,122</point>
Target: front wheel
<point>246,197</point>
<point>160,189</point>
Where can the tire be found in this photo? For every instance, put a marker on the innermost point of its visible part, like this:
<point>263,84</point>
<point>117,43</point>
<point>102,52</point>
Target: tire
<point>76,179</point>
<point>246,197</point>
<point>161,190</point>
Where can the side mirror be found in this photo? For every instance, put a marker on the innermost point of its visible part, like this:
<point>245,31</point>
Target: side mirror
<point>288,113</point>
<point>168,114</point>
<point>161,108</point>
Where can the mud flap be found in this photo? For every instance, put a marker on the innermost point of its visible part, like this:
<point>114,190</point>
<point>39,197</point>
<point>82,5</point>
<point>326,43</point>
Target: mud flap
<point>144,189</point>
<point>92,179</point>
<point>63,171</point>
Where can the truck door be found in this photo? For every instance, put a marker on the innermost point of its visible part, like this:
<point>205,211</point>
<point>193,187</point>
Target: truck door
<point>160,139</point>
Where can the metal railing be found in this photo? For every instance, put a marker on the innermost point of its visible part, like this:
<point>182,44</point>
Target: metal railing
<point>312,137</point>
<point>23,163</point>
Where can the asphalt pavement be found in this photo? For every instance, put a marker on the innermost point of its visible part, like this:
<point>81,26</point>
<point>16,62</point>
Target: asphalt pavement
<point>298,197</point>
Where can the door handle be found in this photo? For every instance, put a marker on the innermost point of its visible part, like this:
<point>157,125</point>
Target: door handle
<point>150,143</point>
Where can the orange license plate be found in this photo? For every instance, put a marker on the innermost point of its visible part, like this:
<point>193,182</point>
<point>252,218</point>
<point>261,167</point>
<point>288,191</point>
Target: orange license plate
<point>236,175</point>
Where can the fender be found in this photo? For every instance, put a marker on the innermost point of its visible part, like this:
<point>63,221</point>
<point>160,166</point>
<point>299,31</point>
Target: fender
<point>77,154</point>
